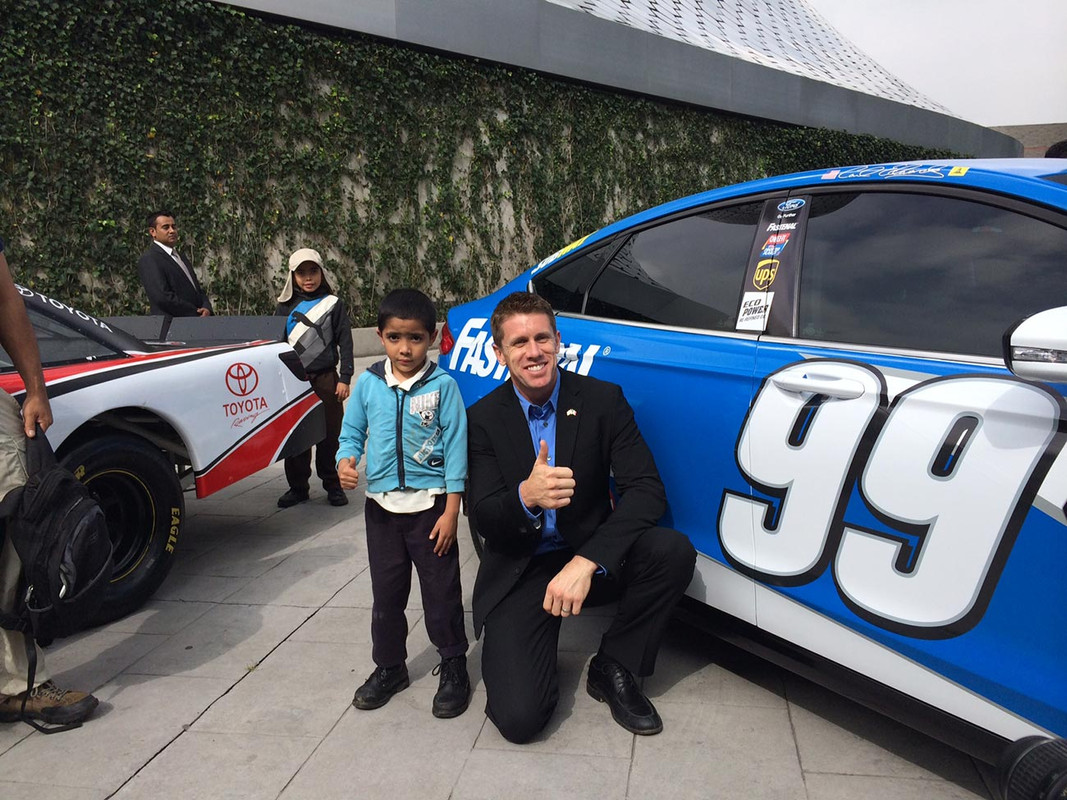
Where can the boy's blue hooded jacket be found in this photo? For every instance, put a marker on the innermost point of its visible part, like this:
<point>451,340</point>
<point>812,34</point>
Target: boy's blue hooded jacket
<point>415,439</point>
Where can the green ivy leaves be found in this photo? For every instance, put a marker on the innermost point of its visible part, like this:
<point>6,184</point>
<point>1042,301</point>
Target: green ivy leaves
<point>402,167</point>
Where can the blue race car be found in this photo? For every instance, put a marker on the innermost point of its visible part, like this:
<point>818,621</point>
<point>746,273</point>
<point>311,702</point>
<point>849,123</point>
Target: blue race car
<point>853,382</point>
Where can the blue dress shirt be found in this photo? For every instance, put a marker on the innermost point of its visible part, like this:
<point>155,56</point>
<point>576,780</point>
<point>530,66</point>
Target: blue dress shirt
<point>542,422</point>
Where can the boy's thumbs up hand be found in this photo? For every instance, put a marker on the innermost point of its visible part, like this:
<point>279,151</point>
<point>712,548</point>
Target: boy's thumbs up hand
<point>547,486</point>
<point>347,473</point>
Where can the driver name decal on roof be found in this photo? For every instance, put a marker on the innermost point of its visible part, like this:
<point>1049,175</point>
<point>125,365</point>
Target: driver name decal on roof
<point>896,171</point>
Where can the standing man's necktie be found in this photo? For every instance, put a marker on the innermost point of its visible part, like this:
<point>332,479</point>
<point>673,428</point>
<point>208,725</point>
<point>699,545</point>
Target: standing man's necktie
<point>185,267</point>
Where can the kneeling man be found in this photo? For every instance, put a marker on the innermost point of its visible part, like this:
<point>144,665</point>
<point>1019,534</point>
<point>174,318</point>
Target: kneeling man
<point>543,447</point>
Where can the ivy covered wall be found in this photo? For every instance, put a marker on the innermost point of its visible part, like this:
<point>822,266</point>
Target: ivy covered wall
<point>402,167</point>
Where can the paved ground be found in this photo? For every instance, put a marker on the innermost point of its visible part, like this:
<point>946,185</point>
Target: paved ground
<point>235,681</point>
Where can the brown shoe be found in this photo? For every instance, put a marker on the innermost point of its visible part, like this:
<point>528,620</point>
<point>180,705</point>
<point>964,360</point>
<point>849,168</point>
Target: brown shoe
<point>48,703</point>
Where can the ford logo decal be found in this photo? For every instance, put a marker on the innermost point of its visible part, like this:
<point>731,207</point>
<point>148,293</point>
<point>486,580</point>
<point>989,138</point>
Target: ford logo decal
<point>791,205</point>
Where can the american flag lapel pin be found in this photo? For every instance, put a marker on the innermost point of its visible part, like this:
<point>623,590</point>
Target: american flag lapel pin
<point>571,412</point>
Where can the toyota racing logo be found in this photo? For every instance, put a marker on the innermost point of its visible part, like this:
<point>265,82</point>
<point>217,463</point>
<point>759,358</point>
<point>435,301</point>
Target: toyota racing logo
<point>241,379</point>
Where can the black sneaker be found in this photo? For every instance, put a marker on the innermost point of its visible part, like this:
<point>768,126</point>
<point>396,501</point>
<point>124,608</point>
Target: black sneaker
<point>382,684</point>
<point>337,497</point>
<point>454,691</point>
<point>292,498</point>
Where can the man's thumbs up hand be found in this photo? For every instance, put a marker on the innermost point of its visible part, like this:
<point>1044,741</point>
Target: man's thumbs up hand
<point>547,486</point>
<point>542,454</point>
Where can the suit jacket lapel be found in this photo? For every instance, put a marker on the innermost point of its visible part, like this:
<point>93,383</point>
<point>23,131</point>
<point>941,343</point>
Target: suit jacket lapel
<point>518,430</point>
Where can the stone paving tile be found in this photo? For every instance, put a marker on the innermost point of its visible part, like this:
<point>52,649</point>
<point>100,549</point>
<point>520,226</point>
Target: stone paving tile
<point>711,751</point>
<point>92,659</point>
<point>336,626</point>
<point>531,775</point>
<point>158,617</point>
<point>301,689</point>
<point>850,787</point>
<point>137,717</point>
<point>397,751</point>
<point>220,765</point>
<point>304,579</point>
<point>35,791</point>
<point>248,555</point>
<point>840,737</point>
<point>694,667</point>
<point>199,588</point>
<point>225,642</point>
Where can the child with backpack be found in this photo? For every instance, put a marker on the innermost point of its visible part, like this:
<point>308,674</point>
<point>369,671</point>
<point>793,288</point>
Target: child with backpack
<point>317,326</point>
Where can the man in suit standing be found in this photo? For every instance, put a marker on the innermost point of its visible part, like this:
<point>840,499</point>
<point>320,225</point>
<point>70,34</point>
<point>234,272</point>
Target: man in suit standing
<point>542,449</point>
<point>168,279</point>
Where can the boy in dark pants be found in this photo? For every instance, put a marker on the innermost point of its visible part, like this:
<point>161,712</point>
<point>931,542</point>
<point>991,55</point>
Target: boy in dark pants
<point>317,326</point>
<point>411,418</point>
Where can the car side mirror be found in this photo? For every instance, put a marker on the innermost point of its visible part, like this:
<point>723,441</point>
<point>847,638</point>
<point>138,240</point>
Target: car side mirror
<point>1036,348</point>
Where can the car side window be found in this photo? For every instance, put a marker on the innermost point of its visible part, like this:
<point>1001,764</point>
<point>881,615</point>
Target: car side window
<point>564,288</point>
<point>925,272</point>
<point>59,344</point>
<point>686,272</point>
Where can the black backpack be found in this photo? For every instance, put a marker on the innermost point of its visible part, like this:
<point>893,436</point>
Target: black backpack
<point>60,535</point>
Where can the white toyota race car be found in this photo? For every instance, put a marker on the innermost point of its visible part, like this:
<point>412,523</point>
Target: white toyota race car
<point>135,421</point>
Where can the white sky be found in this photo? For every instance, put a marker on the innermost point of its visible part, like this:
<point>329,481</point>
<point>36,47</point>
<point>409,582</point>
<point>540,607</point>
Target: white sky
<point>993,62</point>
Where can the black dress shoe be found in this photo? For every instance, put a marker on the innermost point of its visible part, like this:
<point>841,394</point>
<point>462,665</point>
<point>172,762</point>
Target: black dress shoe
<point>292,498</point>
<point>337,497</point>
<point>610,682</point>
<point>379,688</point>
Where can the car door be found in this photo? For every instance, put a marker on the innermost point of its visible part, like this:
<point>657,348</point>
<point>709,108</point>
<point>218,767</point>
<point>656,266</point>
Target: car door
<point>905,523</point>
<point>654,309</point>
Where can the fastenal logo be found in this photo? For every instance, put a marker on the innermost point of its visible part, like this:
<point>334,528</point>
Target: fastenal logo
<point>241,379</point>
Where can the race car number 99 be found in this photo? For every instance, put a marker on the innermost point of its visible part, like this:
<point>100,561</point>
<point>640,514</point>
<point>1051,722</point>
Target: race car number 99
<point>950,469</point>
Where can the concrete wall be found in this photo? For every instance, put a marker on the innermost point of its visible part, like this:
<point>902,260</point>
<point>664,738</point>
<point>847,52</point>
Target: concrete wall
<point>539,35</point>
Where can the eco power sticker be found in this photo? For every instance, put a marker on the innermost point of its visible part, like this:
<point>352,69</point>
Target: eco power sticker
<point>755,306</point>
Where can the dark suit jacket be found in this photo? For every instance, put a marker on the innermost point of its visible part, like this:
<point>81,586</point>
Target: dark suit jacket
<point>169,291</point>
<point>599,439</point>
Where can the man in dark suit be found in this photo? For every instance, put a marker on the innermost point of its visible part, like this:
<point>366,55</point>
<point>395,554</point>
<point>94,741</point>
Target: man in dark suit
<point>543,447</point>
<point>168,279</point>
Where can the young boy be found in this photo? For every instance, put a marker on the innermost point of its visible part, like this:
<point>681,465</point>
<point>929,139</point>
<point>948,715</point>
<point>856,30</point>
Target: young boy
<point>317,326</point>
<point>411,416</point>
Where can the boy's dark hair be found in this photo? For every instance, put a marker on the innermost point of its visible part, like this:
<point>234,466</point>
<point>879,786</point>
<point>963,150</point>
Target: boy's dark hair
<point>152,216</point>
<point>519,303</point>
<point>408,304</point>
<point>1057,150</point>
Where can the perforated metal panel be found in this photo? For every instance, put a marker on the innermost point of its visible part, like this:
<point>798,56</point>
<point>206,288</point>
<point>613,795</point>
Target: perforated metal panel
<point>786,35</point>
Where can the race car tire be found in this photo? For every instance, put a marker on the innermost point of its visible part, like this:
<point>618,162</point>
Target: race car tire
<point>138,490</point>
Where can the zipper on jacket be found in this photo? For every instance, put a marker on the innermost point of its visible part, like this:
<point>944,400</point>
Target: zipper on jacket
<point>399,435</point>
